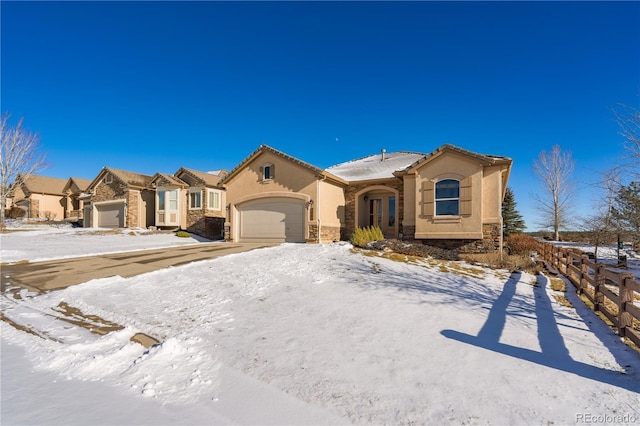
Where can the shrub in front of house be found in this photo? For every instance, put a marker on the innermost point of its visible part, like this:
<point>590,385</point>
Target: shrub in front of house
<point>183,234</point>
<point>521,244</point>
<point>363,236</point>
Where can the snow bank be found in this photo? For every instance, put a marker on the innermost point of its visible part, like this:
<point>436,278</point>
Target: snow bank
<point>318,334</point>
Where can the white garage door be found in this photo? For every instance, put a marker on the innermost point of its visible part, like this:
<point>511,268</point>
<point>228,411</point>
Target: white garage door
<point>272,220</point>
<point>110,215</point>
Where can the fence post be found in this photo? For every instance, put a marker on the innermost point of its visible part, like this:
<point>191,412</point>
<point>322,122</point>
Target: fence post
<point>584,272</point>
<point>598,297</point>
<point>625,319</point>
<point>564,253</point>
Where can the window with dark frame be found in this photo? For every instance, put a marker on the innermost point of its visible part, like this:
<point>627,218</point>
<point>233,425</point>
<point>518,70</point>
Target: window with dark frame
<point>447,197</point>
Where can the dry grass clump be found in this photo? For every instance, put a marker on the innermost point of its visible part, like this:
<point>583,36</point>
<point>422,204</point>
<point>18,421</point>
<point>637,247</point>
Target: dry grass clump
<point>511,262</point>
<point>521,244</point>
<point>558,284</point>
<point>363,236</point>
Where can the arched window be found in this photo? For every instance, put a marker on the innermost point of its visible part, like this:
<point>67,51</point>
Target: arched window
<point>447,197</point>
<point>267,172</point>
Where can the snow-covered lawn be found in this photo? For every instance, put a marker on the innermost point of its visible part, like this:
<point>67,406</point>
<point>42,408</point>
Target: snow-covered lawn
<point>315,334</point>
<point>42,242</point>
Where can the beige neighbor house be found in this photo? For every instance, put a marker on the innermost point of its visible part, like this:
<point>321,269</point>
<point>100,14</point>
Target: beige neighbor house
<point>119,199</point>
<point>190,200</point>
<point>39,196</point>
<point>450,198</point>
<point>75,192</point>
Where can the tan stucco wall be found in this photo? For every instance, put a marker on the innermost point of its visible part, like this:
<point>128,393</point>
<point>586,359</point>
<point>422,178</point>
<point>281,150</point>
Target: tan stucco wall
<point>290,179</point>
<point>48,203</point>
<point>331,211</point>
<point>409,183</point>
<point>492,194</point>
<point>450,165</point>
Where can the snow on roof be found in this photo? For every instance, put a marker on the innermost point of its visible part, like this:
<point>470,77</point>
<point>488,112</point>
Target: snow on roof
<point>373,167</point>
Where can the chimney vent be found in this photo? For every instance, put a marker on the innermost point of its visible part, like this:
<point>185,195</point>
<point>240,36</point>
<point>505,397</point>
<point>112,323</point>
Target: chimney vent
<point>382,154</point>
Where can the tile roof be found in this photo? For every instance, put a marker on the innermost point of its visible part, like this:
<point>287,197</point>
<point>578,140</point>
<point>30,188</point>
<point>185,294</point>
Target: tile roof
<point>207,178</point>
<point>36,184</point>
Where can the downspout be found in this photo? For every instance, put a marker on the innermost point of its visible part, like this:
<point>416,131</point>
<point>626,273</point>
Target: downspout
<point>318,209</point>
<point>502,170</point>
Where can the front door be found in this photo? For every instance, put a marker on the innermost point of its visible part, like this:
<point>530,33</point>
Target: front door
<point>167,212</point>
<point>375,212</point>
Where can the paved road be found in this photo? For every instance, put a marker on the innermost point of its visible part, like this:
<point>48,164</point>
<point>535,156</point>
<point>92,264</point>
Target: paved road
<point>62,273</point>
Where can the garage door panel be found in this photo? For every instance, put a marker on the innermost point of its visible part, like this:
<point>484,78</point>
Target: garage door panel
<point>110,215</point>
<point>277,220</point>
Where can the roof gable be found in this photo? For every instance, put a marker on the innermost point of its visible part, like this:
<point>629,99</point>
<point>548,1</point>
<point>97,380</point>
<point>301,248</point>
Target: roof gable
<point>195,177</point>
<point>132,179</point>
<point>267,149</point>
<point>76,184</point>
<point>484,159</point>
<point>36,184</point>
<point>163,179</point>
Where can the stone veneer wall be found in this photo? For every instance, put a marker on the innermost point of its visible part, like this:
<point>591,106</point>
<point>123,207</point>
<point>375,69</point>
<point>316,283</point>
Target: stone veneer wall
<point>328,233</point>
<point>133,206</point>
<point>491,241</point>
<point>210,227</point>
<point>117,190</point>
<point>34,208</point>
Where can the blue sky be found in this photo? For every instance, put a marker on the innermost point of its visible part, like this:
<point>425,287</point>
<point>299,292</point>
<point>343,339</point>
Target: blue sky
<point>154,86</point>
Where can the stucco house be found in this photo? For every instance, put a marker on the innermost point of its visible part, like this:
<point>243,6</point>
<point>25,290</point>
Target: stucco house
<point>119,199</point>
<point>450,197</point>
<point>190,200</point>
<point>39,196</point>
<point>275,197</point>
<point>75,192</point>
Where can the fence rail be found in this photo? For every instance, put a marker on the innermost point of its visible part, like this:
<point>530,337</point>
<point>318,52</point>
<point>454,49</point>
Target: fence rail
<point>614,294</point>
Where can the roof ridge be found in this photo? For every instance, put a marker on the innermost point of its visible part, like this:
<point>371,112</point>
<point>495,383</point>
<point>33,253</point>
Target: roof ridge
<point>373,155</point>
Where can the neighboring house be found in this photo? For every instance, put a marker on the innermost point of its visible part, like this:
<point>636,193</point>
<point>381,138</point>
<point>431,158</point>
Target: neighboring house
<point>75,192</point>
<point>274,197</point>
<point>190,200</point>
<point>119,199</point>
<point>39,196</point>
<point>450,197</point>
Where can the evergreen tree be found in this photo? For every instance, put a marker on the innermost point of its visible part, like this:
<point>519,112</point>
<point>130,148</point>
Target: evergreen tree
<point>627,211</point>
<point>512,221</point>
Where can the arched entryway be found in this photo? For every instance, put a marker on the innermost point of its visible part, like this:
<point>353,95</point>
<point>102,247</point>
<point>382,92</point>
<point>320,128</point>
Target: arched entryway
<point>378,206</point>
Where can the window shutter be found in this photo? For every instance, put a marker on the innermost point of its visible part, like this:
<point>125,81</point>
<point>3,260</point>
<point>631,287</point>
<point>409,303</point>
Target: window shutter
<point>465,197</point>
<point>261,173</point>
<point>273,171</point>
<point>428,198</point>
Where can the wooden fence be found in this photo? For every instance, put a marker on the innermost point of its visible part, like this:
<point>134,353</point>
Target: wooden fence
<point>614,294</point>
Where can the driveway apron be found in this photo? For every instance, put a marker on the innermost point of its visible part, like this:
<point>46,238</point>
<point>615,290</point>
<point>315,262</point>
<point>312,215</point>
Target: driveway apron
<point>62,273</point>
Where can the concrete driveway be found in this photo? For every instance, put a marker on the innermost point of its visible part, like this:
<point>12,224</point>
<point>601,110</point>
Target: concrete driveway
<point>62,273</point>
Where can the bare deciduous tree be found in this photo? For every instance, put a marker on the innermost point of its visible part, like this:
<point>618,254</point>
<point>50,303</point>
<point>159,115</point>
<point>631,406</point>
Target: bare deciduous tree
<point>554,169</point>
<point>19,154</point>
<point>628,119</point>
<point>601,227</point>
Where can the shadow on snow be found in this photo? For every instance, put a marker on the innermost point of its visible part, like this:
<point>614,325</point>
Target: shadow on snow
<point>554,353</point>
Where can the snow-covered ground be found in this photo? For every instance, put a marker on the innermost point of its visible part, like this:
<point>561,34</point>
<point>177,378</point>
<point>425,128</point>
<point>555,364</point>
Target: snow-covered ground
<point>311,334</point>
<point>42,242</point>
